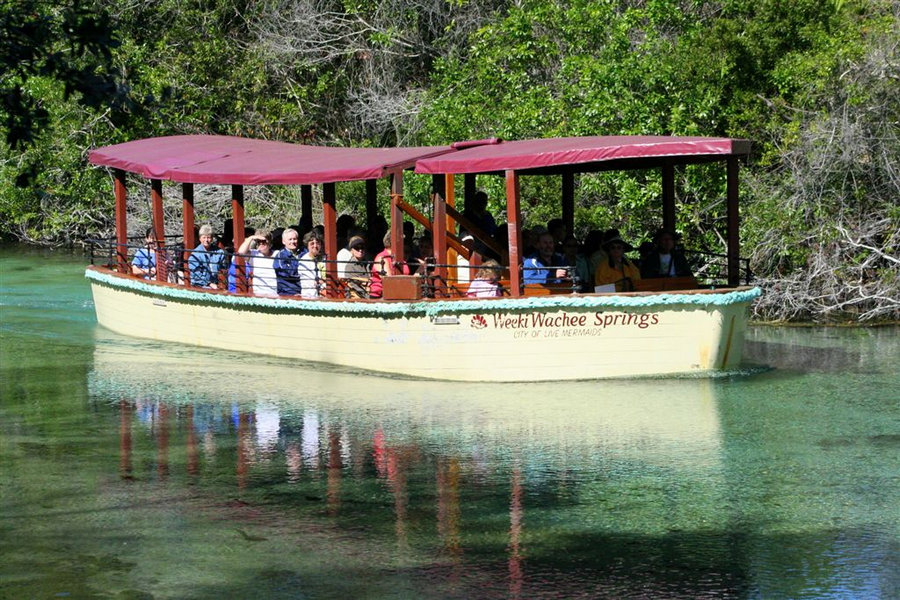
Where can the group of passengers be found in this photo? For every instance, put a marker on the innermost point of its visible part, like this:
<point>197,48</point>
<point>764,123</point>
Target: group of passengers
<point>268,264</point>
<point>601,263</point>
<point>278,264</point>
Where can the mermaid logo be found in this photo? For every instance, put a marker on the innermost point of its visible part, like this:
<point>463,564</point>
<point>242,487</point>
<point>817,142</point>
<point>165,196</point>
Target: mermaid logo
<point>479,322</point>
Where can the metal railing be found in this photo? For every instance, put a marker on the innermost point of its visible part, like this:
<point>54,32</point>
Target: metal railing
<point>711,269</point>
<point>435,280</point>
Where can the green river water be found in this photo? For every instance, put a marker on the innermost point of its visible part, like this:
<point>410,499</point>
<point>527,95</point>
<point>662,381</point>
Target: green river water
<point>131,469</point>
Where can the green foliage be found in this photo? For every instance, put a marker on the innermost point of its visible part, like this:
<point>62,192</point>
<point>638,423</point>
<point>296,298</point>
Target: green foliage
<point>784,75</point>
<point>663,67</point>
<point>70,43</point>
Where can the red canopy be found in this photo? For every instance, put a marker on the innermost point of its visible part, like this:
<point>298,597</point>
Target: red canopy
<point>221,159</point>
<point>558,152</point>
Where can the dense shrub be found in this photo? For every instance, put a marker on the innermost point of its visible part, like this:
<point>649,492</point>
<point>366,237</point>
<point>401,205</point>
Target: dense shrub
<point>811,83</point>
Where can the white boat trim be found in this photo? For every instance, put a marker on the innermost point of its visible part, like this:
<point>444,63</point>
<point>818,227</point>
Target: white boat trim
<point>560,337</point>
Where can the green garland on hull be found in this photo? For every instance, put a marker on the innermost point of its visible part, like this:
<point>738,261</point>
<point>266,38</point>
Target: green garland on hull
<point>430,308</point>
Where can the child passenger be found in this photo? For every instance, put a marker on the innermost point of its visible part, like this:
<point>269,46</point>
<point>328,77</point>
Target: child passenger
<point>486,283</point>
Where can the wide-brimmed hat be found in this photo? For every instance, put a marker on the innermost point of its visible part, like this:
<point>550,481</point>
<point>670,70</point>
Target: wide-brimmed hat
<point>616,239</point>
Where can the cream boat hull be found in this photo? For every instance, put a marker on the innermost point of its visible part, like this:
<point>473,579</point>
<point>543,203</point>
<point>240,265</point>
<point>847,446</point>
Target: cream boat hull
<point>528,339</point>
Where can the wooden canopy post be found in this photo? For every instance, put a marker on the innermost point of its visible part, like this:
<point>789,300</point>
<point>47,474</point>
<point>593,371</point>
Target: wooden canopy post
<point>187,227</point>
<point>329,214</point>
<point>734,241</point>
<point>305,207</point>
<point>188,215</point>
<point>668,197</point>
<point>371,208</point>
<point>159,226</point>
<point>397,217</point>
<point>514,218</point>
<point>121,192</point>
<point>439,226</point>
<point>237,214</point>
<point>450,200</point>
<point>237,220</point>
<point>568,201</point>
<point>470,186</point>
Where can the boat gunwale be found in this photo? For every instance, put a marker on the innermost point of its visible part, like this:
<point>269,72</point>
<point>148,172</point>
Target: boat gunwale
<point>425,306</point>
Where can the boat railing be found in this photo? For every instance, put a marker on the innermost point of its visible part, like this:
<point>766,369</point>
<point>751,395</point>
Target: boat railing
<point>104,251</point>
<point>436,280</point>
<point>428,280</point>
<point>711,269</point>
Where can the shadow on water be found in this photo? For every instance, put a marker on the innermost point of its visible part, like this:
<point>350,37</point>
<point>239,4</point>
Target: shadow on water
<point>786,357</point>
<point>836,350</point>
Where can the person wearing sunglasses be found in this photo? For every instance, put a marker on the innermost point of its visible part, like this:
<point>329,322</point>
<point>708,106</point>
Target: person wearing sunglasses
<point>259,268</point>
<point>356,272</point>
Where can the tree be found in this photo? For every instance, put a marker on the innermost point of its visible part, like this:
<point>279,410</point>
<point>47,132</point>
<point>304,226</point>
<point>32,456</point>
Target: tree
<point>825,223</point>
<point>71,44</point>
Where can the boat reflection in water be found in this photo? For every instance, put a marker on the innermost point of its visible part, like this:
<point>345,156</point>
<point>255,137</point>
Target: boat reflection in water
<point>480,467</point>
<point>615,488</point>
<point>670,422</point>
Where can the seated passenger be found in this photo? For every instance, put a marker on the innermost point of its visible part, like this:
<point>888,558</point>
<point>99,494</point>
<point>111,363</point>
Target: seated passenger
<point>477,212</point>
<point>409,235</point>
<point>578,264</point>
<point>501,237</point>
<point>286,263</point>
<point>311,266</point>
<point>255,245</point>
<point>424,262</point>
<point>487,281</point>
<point>384,261</point>
<point>479,215</point>
<point>262,266</point>
<point>530,241</point>
<point>206,261</point>
<point>345,254</point>
<point>232,277</point>
<point>593,250</point>
<point>665,260</point>
<point>540,268</point>
<point>277,243</point>
<point>346,227</point>
<point>617,269</point>
<point>144,262</point>
<point>356,273</point>
<point>557,229</point>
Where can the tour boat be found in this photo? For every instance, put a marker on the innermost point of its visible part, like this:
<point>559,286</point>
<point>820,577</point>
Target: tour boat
<point>533,333</point>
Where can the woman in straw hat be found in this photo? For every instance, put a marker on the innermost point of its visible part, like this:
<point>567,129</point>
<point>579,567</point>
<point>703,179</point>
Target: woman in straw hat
<point>617,269</point>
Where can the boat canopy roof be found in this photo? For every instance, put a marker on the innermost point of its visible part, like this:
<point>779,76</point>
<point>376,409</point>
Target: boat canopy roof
<point>218,159</point>
<point>582,154</point>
